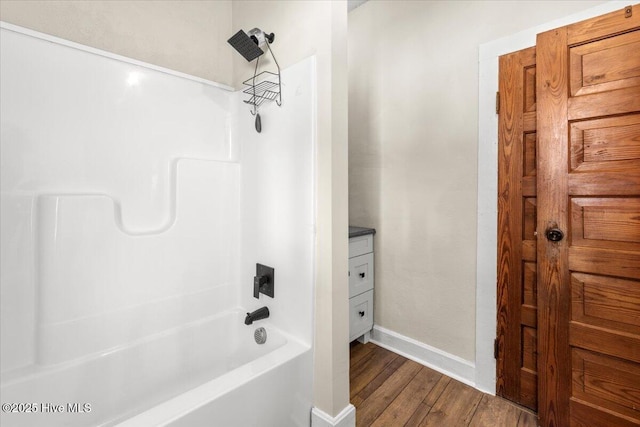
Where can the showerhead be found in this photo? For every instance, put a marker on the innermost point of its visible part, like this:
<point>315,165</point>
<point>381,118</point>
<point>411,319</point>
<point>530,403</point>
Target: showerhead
<point>248,45</point>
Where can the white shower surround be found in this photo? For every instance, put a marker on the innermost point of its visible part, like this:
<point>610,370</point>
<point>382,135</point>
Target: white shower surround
<point>137,200</point>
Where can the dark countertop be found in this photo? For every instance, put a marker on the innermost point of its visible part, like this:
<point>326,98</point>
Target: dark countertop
<point>360,231</point>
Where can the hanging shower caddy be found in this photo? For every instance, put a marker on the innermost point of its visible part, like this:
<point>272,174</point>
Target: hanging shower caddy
<point>263,86</point>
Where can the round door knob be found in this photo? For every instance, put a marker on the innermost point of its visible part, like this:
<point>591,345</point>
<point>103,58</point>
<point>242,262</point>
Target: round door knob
<point>362,275</point>
<point>361,313</point>
<point>554,234</point>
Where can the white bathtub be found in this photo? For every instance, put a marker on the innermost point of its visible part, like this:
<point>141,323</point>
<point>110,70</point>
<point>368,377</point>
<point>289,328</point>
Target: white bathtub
<point>209,372</point>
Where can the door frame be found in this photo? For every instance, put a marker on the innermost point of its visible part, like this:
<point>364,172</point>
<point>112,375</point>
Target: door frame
<point>487,227</point>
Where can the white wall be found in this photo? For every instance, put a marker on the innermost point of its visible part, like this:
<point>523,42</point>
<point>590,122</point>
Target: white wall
<point>302,29</point>
<point>278,200</point>
<point>113,175</point>
<point>413,120</point>
<point>188,36</point>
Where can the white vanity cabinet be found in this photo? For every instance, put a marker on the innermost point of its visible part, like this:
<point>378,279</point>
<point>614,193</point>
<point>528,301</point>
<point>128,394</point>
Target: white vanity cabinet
<point>361,283</point>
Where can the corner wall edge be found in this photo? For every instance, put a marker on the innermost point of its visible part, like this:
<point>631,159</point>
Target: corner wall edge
<point>346,418</point>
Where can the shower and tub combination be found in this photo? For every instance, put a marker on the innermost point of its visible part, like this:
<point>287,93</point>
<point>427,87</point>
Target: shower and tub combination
<point>136,203</point>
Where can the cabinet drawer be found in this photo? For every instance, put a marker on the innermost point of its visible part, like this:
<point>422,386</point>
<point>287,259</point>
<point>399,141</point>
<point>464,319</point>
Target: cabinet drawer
<point>360,274</point>
<point>360,245</point>
<point>360,314</point>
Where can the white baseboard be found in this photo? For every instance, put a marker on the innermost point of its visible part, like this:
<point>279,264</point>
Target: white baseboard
<point>436,359</point>
<point>346,418</point>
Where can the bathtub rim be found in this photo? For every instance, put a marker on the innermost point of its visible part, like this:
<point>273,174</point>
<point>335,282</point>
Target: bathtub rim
<point>177,407</point>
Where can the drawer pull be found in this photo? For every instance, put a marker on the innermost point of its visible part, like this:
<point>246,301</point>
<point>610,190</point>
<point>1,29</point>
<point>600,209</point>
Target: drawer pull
<point>361,313</point>
<point>362,275</point>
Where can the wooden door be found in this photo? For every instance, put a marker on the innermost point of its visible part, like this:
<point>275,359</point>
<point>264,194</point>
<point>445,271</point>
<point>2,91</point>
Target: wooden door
<point>516,376</point>
<point>588,181</point>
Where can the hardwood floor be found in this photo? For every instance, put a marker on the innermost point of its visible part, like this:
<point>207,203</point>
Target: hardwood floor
<point>390,390</point>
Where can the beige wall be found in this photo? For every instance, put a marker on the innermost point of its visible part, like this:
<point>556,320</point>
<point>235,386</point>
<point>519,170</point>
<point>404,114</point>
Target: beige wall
<point>413,126</point>
<point>186,36</point>
<point>305,28</point>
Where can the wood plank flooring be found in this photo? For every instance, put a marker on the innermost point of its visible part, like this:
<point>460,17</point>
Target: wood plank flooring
<point>390,390</point>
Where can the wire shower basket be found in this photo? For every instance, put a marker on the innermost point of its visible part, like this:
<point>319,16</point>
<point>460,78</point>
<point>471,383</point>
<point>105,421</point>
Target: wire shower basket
<point>265,90</point>
<point>263,86</point>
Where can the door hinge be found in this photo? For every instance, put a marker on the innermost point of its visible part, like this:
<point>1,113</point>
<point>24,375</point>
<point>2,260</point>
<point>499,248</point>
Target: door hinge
<point>495,348</point>
<point>497,102</point>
